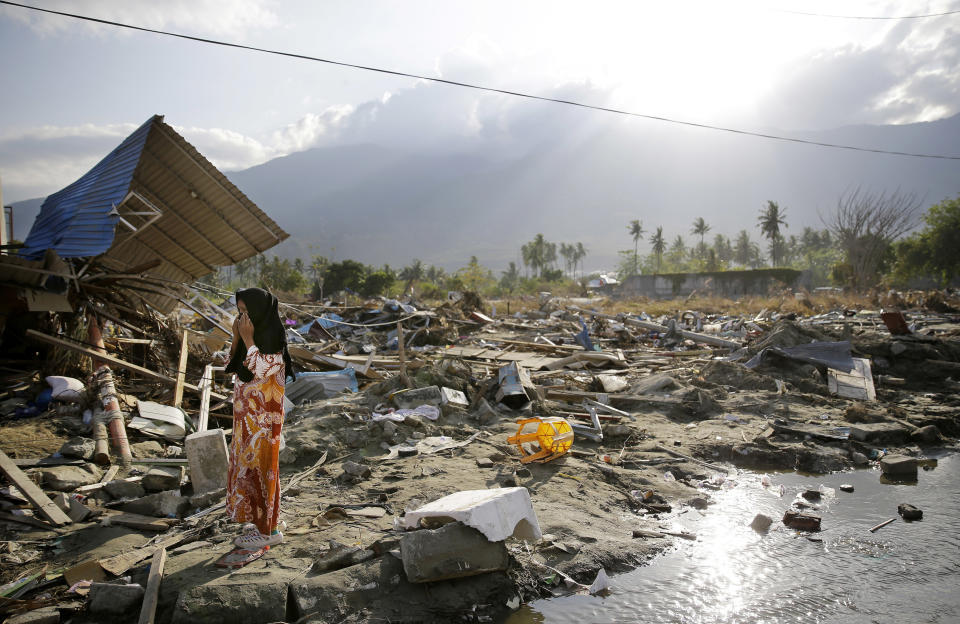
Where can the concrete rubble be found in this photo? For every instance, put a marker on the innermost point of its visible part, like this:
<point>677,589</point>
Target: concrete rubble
<point>402,497</point>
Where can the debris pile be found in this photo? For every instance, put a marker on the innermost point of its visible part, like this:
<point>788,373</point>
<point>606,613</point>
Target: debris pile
<point>436,460</point>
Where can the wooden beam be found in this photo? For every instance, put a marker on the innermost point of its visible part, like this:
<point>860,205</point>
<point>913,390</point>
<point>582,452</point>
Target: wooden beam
<point>33,494</point>
<point>181,370</point>
<point>114,361</point>
<point>150,598</point>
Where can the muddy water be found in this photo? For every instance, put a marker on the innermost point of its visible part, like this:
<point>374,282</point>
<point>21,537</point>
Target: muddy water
<point>905,572</point>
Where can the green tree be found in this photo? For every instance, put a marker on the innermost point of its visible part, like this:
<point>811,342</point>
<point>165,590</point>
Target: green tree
<point>510,278</point>
<point>700,228</point>
<point>746,253</point>
<point>636,231</point>
<point>376,283</point>
<point>343,275</point>
<point>659,245</point>
<point>473,276</point>
<point>934,250</point>
<point>769,222</point>
<point>580,255</point>
<point>723,249</point>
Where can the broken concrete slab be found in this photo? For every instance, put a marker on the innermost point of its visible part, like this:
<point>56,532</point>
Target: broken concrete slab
<point>165,504</point>
<point>879,432</point>
<point>67,478</point>
<point>353,469</point>
<point>498,513</point>
<point>238,598</point>
<point>121,488</point>
<point>452,551</point>
<point>161,478</point>
<point>114,599</point>
<point>209,459</point>
<point>899,466</point>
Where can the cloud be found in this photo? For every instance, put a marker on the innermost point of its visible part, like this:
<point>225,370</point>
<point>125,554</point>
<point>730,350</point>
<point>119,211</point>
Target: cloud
<point>912,74</point>
<point>212,17</point>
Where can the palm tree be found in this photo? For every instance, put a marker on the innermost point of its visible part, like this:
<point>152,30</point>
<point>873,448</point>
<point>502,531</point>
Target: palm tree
<point>581,254</point>
<point>659,246</point>
<point>636,231</point>
<point>770,220</point>
<point>743,250</point>
<point>700,228</point>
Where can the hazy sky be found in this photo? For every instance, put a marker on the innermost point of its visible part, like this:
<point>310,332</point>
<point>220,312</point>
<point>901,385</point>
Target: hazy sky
<point>72,90</point>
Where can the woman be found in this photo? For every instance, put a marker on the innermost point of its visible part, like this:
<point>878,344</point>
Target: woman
<point>259,358</point>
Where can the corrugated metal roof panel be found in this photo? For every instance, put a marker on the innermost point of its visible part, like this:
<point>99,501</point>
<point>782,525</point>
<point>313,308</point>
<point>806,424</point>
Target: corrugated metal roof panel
<point>205,221</point>
<point>76,221</point>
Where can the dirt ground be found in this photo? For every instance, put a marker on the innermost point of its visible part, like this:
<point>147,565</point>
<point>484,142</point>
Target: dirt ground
<point>709,420</point>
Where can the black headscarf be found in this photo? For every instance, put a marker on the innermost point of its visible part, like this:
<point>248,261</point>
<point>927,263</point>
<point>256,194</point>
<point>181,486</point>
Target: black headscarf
<point>269,334</point>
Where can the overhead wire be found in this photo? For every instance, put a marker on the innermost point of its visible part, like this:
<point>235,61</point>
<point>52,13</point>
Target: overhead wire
<point>867,17</point>
<point>478,87</point>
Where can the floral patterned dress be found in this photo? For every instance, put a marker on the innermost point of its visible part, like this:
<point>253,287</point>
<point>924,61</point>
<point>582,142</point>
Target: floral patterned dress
<point>253,478</point>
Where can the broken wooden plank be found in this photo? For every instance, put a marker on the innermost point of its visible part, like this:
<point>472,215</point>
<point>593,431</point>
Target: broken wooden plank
<point>40,524</point>
<point>181,370</point>
<point>152,595</point>
<point>110,474</point>
<point>143,523</point>
<point>34,494</point>
<point>113,361</point>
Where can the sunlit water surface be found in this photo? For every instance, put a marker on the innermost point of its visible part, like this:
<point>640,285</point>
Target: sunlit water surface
<point>905,572</point>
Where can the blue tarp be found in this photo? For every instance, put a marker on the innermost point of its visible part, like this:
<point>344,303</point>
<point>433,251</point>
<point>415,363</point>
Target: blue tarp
<point>326,321</point>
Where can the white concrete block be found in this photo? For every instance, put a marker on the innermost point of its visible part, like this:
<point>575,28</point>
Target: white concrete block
<point>498,513</point>
<point>209,458</point>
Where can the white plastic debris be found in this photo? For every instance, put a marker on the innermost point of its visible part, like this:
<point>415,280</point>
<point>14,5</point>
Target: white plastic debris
<point>601,583</point>
<point>498,513</point>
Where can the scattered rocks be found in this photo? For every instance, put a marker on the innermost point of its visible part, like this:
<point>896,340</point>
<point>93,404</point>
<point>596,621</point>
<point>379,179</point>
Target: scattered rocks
<point>161,504</point>
<point>811,495</point>
<point>801,521</point>
<point>113,599</point>
<point>150,448</point>
<point>846,487</point>
<point>288,455</point>
<point>161,478</point>
<point>81,448</point>
<point>926,435</point>
<point>121,488</point>
<point>909,512</point>
<point>341,556</point>
<point>484,462</point>
<point>859,459</point>
<point>355,470</point>
<point>761,523</point>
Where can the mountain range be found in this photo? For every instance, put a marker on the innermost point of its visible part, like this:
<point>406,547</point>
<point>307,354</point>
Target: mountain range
<point>584,182</point>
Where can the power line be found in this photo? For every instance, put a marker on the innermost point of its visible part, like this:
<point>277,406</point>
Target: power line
<point>468,85</point>
<point>867,17</point>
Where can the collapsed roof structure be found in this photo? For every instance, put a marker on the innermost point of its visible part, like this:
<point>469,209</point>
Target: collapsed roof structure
<point>152,204</point>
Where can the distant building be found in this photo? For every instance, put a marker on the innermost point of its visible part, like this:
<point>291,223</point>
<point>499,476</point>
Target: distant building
<point>602,281</point>
<point>721,283</point>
